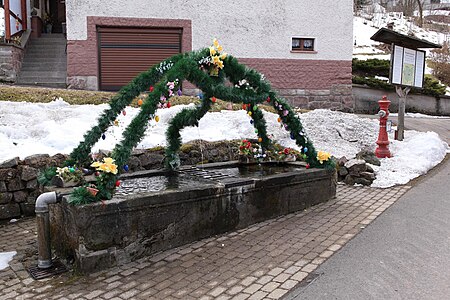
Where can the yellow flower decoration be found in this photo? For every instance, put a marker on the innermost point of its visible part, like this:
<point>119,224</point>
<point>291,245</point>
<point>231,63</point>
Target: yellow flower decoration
<point>220,64</point>
<point>216,43</point>
<point>220,48</point>
<point>223,56</point>
<point>212,51</point>
<point>323,156</point>
<point>107,166</point>
<point>216,59</point>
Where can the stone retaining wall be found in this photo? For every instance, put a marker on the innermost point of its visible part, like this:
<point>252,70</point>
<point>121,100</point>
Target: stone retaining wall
<point>18,178</point>
<point>10,62</point>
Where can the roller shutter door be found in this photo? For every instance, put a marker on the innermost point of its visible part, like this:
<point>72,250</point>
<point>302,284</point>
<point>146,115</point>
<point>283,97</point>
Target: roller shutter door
<point>126,52</point>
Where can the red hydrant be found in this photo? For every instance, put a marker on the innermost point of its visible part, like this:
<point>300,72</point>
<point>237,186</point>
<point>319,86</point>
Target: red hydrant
<point>382,150</point>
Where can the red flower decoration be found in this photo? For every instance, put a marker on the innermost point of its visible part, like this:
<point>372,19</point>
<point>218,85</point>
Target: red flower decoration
<point>117,183</point>
<point>213,99</point>
<point>151,88</point>
<point>268,99</point>
<point>286,151</point>
<point>168,105</point>
<point>308,166</point>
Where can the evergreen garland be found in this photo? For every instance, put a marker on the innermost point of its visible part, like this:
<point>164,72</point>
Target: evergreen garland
<point>191,67</point>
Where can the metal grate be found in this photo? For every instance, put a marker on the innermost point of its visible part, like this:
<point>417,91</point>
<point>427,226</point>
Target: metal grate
<point>38,273</point>
<point>206,174</point>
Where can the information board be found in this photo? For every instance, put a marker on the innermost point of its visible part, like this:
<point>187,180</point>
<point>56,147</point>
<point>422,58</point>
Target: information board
<point>407,67</point>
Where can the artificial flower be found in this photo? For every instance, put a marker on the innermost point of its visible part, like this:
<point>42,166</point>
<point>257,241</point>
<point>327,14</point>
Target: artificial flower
<point>223,56</point>
<point>216,59</point>
<point>108,165</point>
<point>216,43</point>
<point>323,156</point>
<point>212,51</point>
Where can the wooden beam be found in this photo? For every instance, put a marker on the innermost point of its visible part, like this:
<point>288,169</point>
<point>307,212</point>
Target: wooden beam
<point>24,16</point>
<point>7,21</point>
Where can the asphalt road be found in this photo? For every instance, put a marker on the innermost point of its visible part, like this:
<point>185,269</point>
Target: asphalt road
<point>403,254</point>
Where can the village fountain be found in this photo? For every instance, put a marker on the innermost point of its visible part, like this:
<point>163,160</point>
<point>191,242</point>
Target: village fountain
<point>119,218</point>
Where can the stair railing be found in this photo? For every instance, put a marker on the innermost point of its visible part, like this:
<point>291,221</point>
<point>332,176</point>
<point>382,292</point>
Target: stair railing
<point>15,17</point>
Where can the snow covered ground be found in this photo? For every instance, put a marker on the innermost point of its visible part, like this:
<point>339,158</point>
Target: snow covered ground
<point>5,258</point>
<point>365,27</point>
<point>57,127</point>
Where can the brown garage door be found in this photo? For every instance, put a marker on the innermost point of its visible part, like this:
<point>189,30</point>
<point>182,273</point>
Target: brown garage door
<point>126,52</point>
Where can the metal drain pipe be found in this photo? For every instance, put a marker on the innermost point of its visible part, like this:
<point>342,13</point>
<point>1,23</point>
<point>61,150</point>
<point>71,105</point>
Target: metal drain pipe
<point>43,228</point>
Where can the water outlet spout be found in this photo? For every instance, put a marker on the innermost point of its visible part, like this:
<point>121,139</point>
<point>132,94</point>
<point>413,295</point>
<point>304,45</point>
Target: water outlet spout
<point>43,228</point>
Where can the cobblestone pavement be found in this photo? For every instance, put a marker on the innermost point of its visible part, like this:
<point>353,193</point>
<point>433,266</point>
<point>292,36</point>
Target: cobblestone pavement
<point>263,261</point>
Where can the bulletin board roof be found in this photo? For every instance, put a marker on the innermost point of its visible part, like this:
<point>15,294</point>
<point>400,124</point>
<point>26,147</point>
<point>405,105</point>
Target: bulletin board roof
<point>388,36</point>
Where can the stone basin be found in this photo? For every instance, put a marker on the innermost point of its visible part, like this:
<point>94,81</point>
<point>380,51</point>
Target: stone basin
<point>155,210</point>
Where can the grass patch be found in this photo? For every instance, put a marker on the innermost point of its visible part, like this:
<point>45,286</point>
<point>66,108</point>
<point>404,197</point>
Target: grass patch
<point>45,95</point>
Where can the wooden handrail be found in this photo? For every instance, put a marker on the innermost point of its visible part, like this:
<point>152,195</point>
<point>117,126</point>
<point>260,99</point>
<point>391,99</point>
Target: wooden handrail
<point>8,14</point>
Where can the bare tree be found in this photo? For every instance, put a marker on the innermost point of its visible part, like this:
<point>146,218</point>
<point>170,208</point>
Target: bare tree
<point>407,7</point>
<point>420,5</point>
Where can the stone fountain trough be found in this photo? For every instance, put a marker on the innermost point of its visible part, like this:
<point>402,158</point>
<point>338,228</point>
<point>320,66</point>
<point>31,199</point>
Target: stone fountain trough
<point>154,211</point>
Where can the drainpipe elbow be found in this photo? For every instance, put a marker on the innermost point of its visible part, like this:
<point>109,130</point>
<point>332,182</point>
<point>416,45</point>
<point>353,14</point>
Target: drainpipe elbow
<point>44,200</point>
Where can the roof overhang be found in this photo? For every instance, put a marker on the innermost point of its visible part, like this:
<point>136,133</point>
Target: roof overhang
<point>388,36</point>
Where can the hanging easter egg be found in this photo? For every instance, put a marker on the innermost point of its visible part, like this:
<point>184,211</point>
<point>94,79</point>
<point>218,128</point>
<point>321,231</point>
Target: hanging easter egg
<point>71,169</point>
<point>200,96</point>
<point>117,183</point>
<point>256,131</point>
<point>126,168</point>
<point>286,127</point>
<point>260,140</point>
<point>157,118</point>
<point>268,99</point>
<point>140,101</point>
<point>244,106</point>
<point>279,120</point>
<point>96,174</point>
<point>213,99</point>
<point>168,105</point>
<point>103,136</point>
<point>116,123</point>
<point>305,149</point>
<point>85,171</point>
<point>151,88</point>
<point>307,166</point>
<point>179,93</point>
<point>292,136</point>
<point>255,107</point>
<point>124,112</point>
<point>251,121</point>
<point>249,113</point>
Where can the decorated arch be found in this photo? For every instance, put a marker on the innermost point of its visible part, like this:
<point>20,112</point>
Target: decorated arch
<point>218,76</point>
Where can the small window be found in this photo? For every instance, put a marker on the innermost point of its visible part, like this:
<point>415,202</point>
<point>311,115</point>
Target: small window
<point>302,44</point>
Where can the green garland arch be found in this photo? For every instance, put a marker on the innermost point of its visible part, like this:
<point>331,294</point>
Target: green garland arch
<point>191,67</point>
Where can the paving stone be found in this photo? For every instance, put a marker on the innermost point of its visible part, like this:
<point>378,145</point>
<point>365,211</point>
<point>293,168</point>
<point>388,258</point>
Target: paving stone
<point>269,287</point>
<point>217,291</point>
<point>258,295</point>
<point>261,262</point>
<point>276,294</point>
<point>253,288</point>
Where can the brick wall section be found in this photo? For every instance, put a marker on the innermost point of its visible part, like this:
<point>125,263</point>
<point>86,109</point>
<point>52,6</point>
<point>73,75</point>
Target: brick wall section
<point>10,62</point>
<point>309,84</point>
<point>82,55</point>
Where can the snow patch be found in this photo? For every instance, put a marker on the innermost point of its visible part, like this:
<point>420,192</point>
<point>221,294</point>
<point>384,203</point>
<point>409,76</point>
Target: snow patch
<point>5,258</point>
